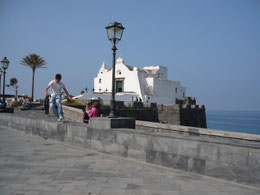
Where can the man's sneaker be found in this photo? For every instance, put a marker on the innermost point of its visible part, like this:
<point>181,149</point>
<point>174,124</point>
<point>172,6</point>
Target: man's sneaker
<point>60,118</point>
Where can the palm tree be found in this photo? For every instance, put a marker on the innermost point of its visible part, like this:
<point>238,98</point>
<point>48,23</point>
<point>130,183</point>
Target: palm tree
<point>33,61</point>
<point>13,86</point>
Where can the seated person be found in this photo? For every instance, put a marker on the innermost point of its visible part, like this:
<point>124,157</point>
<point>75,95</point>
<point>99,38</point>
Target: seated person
<point>26,103</point>
<point>2,106</point>
<point>94,112</point>
<point>85,114</point>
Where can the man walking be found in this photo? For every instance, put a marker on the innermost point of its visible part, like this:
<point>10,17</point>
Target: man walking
<point>55,100</point>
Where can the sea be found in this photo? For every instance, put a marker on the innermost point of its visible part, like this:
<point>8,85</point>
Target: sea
<point>236,121</point>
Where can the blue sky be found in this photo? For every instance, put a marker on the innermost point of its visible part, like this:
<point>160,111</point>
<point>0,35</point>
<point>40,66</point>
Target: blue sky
<point>211,47</point>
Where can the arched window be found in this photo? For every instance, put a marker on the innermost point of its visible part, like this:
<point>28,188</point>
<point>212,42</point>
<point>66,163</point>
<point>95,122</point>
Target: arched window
<point>100,80</point>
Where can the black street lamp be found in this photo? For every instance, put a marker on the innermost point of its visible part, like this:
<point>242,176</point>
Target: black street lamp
<point>5,64</point>
<point>114,32</point>
<point>1,72</point>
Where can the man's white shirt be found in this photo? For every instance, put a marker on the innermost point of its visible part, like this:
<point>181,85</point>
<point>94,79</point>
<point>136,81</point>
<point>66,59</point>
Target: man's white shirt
<point>56,88</point>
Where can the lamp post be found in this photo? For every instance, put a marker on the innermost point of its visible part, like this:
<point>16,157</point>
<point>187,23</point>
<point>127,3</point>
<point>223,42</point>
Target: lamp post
<point>1,72</point>
<point>5,64</point>
<point>114,32</point>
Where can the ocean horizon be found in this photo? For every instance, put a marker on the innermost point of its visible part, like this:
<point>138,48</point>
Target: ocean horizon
<point>236,121</point>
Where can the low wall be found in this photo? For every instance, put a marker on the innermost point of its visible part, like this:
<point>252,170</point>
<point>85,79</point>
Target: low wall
<point>72,114</point>
<point>229,159</point>
<point>195,131</point>
<point>75,115</point>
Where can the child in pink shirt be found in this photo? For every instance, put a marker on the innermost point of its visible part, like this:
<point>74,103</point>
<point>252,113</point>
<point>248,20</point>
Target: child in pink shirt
<point>94,112</point>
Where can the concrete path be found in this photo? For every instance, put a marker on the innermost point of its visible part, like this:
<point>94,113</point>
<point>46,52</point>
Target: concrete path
<point>32,165</point>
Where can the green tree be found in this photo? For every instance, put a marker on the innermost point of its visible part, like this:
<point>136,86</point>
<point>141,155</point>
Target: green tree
<point>13,86</point>
<point>33,61</point>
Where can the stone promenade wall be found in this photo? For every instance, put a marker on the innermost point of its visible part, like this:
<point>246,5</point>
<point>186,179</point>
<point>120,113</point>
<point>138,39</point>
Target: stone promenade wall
<point>195,131</point>
<point>177,114</point>
<point>72,114</point>
<point>229,159</point>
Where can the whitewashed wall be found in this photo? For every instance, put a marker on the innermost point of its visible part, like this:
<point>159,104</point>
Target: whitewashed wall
<point>149,82</point>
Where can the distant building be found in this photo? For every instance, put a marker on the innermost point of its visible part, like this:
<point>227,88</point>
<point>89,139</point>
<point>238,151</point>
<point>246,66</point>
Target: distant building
<point>150,84</point>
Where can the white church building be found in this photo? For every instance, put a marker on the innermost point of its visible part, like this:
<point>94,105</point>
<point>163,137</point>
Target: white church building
<point>149,84</point>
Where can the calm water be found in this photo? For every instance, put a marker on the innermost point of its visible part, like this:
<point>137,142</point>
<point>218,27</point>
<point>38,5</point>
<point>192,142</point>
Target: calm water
<point>238,121</point>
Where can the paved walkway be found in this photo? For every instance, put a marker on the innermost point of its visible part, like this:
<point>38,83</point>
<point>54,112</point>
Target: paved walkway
<point>32,165</point>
